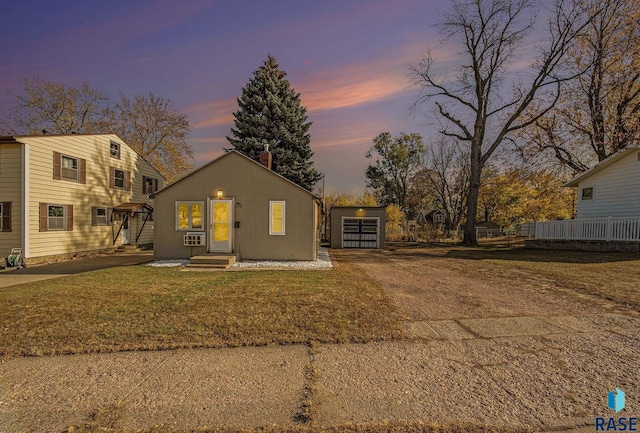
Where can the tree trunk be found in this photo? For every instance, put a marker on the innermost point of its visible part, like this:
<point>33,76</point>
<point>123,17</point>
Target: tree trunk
<point>472,198</point>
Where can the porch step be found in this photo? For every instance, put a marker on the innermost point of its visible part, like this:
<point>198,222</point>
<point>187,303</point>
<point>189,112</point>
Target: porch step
<point>211,261</point>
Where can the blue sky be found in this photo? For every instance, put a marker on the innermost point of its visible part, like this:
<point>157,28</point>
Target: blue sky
<point>349,61</point>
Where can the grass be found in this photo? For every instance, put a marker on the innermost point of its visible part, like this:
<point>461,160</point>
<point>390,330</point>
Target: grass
<point>145,308</point>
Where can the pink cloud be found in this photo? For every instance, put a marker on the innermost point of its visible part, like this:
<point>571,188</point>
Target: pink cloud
<point>211,114</point>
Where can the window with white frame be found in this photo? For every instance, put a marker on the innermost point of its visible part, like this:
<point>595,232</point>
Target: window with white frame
<point>100,216</point>
<point>55,217</point>
<point>69,168</point>
<point>119,179</point>
<point>276,217</point>
<point>114,150</point>
<point>189,215</point>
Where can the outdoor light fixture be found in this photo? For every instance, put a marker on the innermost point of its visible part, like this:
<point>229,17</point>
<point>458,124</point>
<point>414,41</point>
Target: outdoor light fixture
<point>219,193</point>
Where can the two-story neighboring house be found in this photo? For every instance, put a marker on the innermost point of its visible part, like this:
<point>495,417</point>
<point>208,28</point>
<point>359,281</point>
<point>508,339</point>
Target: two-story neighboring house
<point>65,194</point>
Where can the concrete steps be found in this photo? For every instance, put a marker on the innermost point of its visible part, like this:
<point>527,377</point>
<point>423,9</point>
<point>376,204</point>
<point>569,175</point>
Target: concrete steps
<point>211,261</point>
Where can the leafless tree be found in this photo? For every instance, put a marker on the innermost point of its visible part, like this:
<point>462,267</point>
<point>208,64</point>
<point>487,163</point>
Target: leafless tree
<point>598,112</point>
<point>474,106</point>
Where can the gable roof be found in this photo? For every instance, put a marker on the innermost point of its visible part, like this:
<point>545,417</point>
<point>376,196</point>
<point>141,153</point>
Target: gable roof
<point>602,164</point>
<point>235,152</point>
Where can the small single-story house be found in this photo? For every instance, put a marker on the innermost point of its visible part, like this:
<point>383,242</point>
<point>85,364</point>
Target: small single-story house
<point>61,195</point>
<point>608,208</point>
<point>236,206</point>
<point>357,227</point>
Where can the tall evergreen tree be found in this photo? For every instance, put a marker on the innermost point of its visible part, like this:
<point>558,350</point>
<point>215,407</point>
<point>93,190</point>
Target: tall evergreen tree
<point>271,113</point>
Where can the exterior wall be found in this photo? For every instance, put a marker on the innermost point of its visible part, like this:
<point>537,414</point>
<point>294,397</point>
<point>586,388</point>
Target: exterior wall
<point>95,149</point>
<point>11,191</point>
<point>616,190</point>
<point>251,186</point>
<point>337,213</point>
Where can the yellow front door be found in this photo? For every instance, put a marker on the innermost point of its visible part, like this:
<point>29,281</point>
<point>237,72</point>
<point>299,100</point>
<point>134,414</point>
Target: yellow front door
<point>221,226</point>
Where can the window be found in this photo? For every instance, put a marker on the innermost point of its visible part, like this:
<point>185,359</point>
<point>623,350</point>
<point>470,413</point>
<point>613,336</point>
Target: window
<point>118,179</point>
<point>100,216</point>
<point>189,215</point>
<point>587,193</point>
<point>115,150</point>
<point>5,216</point>
<point>276,217</point>
<point>149,185</point>
<point>56,217</point>
<point>69,168</point>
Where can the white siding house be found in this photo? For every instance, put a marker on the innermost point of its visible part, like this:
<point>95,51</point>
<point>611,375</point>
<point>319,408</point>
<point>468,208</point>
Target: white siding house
<point>608,207</point>
<point>610,188</point>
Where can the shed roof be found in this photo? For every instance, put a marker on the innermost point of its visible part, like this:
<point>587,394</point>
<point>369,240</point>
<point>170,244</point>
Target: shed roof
<point>602,164</point>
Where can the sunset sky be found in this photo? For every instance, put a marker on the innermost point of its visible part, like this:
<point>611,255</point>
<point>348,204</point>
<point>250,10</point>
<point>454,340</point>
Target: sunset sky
<point>349,61</point>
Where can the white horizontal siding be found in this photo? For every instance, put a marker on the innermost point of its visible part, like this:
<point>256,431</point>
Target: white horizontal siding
<point>96,192</point>
<point>11,191</point>
<point>616,190</point>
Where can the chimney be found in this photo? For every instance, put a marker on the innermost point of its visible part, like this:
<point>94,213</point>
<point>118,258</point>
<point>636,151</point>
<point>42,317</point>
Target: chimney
<point>265,156</point>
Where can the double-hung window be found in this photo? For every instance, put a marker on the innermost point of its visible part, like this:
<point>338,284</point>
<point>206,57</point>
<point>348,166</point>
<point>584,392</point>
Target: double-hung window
<point>69,168</point>
<point>114,150</point>
<point>189,215</point>
<point>119,180</point>
<point>55,217</point>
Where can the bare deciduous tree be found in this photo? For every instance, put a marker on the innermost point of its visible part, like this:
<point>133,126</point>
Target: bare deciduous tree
<point>474,106</point>
<point>148,123</point>
<point>60,109</point>
<point>156,130</point>
<point>598,112</point>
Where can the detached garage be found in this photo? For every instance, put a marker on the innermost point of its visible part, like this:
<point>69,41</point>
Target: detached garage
<point>357,227</point>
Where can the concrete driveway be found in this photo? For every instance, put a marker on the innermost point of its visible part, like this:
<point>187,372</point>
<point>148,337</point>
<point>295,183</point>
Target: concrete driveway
<point>12,277</point>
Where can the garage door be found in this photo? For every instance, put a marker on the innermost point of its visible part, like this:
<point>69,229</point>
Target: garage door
<point>360,232</point>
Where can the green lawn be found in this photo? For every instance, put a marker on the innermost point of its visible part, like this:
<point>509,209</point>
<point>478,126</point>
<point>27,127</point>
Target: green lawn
<point>145,308</point>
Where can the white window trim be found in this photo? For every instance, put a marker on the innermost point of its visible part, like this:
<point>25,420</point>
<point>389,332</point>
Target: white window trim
<point>115,179</point>
<point>190,218</point>
<point>117,155</point>
<point>64,218</point>
<point>62,168</point>
<point>284,212</point>
<point>593,193</point>
<point>106,216</point>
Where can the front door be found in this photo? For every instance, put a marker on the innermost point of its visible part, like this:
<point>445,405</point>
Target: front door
<point>126,230</point>
<point>221,227</point>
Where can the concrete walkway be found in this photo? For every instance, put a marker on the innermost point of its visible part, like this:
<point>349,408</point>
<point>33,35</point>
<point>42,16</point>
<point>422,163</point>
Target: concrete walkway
<point>12,277</point>
<point>550,373</point>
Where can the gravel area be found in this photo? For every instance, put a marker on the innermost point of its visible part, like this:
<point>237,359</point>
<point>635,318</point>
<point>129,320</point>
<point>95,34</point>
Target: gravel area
<point>323,261</point>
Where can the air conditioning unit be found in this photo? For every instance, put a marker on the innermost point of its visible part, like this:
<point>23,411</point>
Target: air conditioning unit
<point>194,239</point>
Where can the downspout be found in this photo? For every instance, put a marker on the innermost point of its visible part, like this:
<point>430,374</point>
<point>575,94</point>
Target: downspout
<point>24,187</point>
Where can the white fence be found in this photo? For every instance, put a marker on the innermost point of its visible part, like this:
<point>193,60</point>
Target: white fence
<point>597,229</point>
